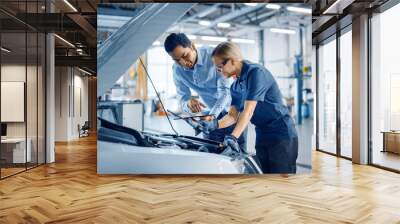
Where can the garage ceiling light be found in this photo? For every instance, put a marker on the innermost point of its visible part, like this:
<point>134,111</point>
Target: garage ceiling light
<point>70,5</point>
<point>204,22</point>
<point>210,38</point>
<point>86,72</point>
<point>5,50</point>
<point>273,6</point>
<point>224,25</point>
<point>80,51</point>
<point>338,6</point>
<point>191,37</point>
<point>284,31</point>
<point>251,4</point>
<point>243,41</point>
<point>65,41</point>
<point>299,9</point>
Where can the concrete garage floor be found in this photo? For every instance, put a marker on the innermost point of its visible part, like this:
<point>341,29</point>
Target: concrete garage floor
<point>160,124</point>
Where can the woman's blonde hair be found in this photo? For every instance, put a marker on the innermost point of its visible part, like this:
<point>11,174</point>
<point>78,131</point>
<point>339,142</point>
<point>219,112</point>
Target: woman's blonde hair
<point>227,50</point>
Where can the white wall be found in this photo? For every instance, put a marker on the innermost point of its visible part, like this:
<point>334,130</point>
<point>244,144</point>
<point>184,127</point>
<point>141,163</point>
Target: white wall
<point>80,83</point>
<point>33,126</point>
<point>61,103</point>
<point>276,53</point>
<point>279,57</point>
<point>15,72</point>
<point>251,52</point>
<point>70,83</point>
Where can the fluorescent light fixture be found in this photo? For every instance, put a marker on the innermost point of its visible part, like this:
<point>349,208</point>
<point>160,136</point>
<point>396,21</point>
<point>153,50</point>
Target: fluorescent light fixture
<point>191,37</point>
<point>251,4</point>
<point>285,31</point>
<point>65,41</point>
<point>156,43</point>
<point>331,7</point>
<point>70,5</point>
<point>79,51</point>
<point>224,25</point>
<point>273,6</point>
<point>299,9</point>
<point>210,38</point>
<point>5,49</point>
<point>86,72</point>
<point>243,41</point>
<point>204,22</point>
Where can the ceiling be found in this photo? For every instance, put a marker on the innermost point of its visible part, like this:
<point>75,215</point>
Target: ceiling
<point>228,20</point>
<point>329,16</point>
<point>241,18</point>
<point>74,22</point>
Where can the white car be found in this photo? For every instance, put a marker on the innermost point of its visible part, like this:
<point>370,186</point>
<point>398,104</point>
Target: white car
<point>123,150</point>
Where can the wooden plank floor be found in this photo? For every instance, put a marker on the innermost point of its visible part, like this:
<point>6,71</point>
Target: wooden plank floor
<point>70,191</point>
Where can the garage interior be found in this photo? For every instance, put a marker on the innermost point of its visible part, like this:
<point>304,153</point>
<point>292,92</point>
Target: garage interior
<point>276,42</point>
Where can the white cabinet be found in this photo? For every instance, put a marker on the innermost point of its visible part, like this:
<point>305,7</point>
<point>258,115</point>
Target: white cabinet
<point>133,115</point>
<point>18,149</point>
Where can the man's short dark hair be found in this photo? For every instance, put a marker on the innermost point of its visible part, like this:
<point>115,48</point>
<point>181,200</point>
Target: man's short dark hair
<point>175,39</point>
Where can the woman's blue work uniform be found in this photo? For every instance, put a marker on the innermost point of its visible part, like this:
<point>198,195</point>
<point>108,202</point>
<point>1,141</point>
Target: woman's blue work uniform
<point>276,135</point>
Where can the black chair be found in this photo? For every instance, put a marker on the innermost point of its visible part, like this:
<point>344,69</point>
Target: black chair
<point>84,130</point>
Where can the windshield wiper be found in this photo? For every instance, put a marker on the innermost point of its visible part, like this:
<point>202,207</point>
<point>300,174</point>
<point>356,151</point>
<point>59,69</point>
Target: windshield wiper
<point>188,120</point>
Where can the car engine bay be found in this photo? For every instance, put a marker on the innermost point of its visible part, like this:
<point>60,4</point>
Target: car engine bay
<point>114,133</point>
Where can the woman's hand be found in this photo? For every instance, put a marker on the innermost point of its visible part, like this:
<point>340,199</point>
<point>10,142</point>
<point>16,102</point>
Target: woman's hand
<point>232,142</point>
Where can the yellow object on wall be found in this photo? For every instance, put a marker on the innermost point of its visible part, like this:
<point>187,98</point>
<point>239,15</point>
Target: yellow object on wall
<point>132,73</point>
<point>141,83</point>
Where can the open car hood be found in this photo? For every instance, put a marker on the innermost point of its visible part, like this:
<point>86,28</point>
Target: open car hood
<point>125,150</point>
